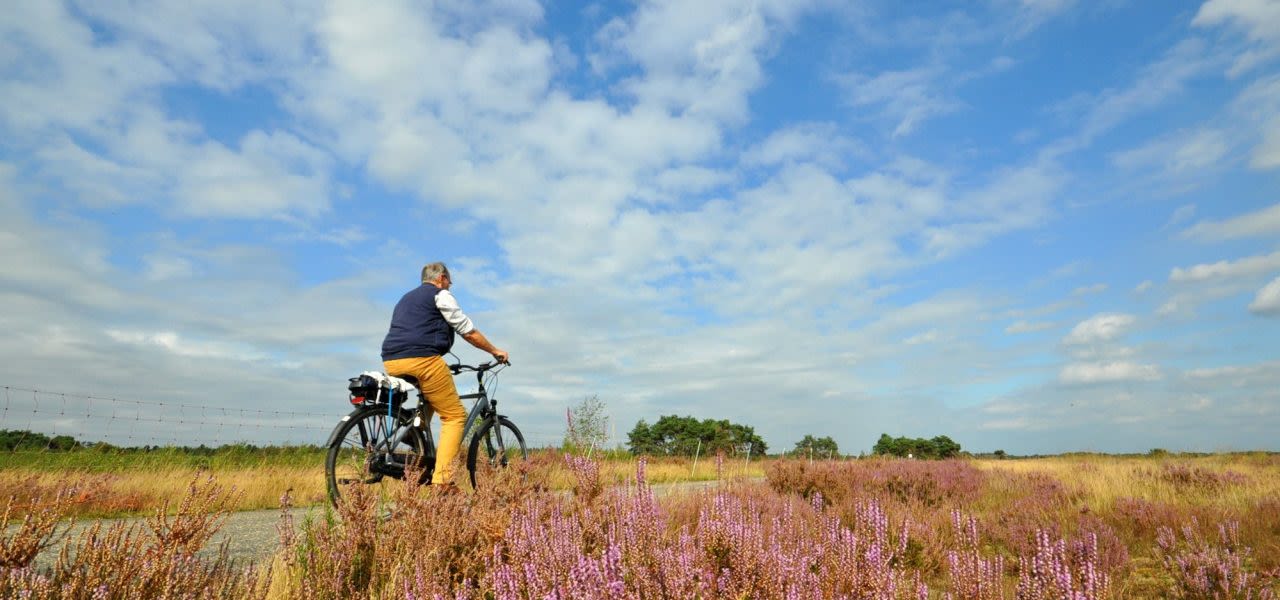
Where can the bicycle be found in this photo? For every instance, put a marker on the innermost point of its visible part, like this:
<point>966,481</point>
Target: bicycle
<point>383,439</point>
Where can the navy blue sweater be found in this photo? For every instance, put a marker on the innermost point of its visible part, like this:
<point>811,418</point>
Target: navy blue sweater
<point>418,330</point>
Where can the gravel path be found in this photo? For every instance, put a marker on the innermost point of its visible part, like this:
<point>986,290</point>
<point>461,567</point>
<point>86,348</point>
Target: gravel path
<point>253,535</point>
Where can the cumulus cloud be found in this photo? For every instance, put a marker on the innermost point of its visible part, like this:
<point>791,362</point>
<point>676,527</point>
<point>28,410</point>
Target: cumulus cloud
<point>1267,302</point>
<point>98,129</point>
<point>1099,328</point>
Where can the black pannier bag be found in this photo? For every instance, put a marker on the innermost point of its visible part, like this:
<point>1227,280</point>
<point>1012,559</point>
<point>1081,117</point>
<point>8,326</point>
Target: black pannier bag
<point>366,390</point>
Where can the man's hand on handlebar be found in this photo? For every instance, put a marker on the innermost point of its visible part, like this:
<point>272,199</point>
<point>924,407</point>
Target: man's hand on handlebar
<point>501,356</point>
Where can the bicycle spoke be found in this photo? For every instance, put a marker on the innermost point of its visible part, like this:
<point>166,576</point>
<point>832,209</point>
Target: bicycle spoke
<point>361,455</point>
<point>497,445</point>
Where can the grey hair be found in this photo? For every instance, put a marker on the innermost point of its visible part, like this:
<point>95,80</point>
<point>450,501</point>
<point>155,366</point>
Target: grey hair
<point>433,270</point>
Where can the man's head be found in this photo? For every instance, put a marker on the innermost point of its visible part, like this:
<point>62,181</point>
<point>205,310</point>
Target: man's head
<point>437,274</point>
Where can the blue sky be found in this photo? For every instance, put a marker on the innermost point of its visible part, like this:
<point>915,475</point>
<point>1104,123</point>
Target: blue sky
<point>1038,225</point>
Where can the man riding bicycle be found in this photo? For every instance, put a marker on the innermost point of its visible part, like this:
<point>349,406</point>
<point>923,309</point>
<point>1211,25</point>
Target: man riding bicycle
<point>422,332</point>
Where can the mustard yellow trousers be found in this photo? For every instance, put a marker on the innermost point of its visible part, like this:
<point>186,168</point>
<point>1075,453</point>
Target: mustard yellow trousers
<point>436,383</point>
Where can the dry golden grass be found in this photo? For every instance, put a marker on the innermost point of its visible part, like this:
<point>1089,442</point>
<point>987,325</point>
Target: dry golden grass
<point>136,491</point>
<point>141,492</point>
<point>667,470</point>
<point>1100,480</point>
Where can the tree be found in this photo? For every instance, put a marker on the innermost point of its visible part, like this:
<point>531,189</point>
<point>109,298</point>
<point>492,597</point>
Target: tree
<point>823,447</point>
<point>685,436</point>
<point>588,425</point>
<point>938,447</point>
<point>29,440</point>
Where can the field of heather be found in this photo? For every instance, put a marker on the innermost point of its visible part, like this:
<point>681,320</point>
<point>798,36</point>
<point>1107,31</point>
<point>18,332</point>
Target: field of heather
<point>1078,527</point>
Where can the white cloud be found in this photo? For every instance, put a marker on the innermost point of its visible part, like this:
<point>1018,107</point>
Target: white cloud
<point>97,129</point>
<point>1087,290</point>
<point>700,60</point>
<point>1266,155</point>
<point>167,267</point>
<point>1107,372</point>
<point>1100,328</point>
<point>1251,266</point>
<point>1259,223</point>
<point>1267,302</point>
<point>1255,116</point>
<point>220,44</point>
<point>927,337</point>
<point>172,342</point>
<point>1028,327</point>
<point>1260,19</point>
<point>1012,199</point>
<point>1144,286</point>
<point>819,143</point>
<point>1034,13</point>
<point>1236,372</point>
<point>907,98</point>
<point>1178,155</point>
<point>1153,86</point>
<point>1183,214</point>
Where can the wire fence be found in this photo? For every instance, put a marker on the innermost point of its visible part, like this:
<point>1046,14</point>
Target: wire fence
<point>125,422</point>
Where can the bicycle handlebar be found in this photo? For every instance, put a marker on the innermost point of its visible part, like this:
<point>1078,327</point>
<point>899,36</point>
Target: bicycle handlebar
<point>480,368</point>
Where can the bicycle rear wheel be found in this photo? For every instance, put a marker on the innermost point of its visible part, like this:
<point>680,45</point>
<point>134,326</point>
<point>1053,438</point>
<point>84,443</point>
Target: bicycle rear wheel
<point>358,453</point>
<point>496,445</point>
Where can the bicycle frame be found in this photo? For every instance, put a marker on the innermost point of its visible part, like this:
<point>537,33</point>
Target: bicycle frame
<point>482,409</point>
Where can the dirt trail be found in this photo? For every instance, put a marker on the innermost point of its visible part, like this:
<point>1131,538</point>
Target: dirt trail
<point>253,534</point>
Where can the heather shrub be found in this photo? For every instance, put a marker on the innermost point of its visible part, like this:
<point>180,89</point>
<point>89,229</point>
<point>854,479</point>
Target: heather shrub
<point>1202,569</point>
<point>741,544</point>
<point>1141,517</point>
<point>153,559</point>
<point>1029,503</point>
<point>1184,476</point>
<point>970,575</point>
<point>1113,552</point>
<point>930,483</point>
<point>1062,570</point>
<point>421,542</point>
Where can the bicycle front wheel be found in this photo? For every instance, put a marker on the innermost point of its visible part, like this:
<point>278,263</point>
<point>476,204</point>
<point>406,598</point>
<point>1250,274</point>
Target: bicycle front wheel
<point>496,445</point>
<point>359,454</point>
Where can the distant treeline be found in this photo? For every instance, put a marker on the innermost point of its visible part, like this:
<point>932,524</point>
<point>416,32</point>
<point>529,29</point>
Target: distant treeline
<point>30,440</point>
<point>18,439</point>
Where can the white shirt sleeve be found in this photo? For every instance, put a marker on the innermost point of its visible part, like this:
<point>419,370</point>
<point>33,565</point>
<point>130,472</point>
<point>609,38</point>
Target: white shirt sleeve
<point>448,306</point>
